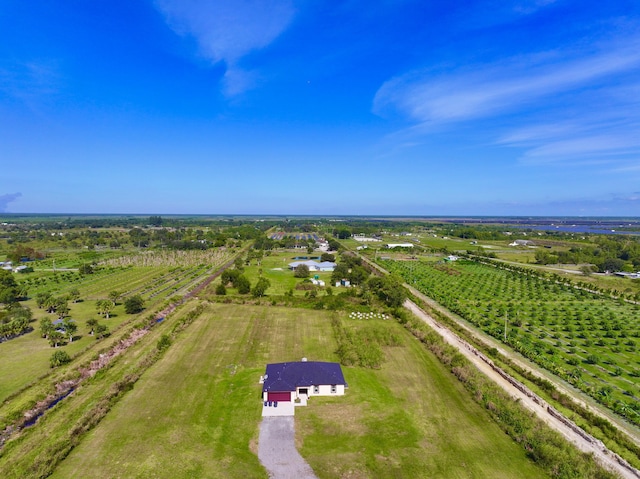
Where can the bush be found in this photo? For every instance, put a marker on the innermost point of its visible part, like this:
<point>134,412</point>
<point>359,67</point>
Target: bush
<point>164,342</point>
<point>243,285</point>
<point>134,304</point>
<point>59,358</point>
<point>221,290</point>
<point>301,271</point>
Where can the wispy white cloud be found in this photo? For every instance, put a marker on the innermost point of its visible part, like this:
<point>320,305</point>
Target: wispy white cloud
<point>569,107</point>
<point>564,147</point>
<point>527,7</point>
<point>603,131</point>
<point>30,82</point>
<point>487,90</point>
<point>228,30</point>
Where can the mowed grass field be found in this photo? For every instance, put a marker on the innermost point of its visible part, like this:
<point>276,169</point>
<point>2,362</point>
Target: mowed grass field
<point>275,268</point>
<point>196,413</point>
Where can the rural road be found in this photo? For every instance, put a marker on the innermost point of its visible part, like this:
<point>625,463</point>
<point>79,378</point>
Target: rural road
<point>277,450</point>
<point>538,406</point>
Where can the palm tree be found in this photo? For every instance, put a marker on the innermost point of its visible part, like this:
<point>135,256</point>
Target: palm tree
<point>70,328</point>
<point>104,307</point>
<point>55,338</point>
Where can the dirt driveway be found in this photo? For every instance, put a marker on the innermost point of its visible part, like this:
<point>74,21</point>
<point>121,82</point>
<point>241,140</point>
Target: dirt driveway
<point>277,450</point>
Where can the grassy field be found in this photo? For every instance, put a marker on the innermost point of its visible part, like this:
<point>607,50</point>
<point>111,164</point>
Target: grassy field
<point>196,412</point>
<point>275,268</point>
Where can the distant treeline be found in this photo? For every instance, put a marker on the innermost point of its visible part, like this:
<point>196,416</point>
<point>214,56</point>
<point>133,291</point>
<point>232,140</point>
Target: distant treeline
<point>607,253</point>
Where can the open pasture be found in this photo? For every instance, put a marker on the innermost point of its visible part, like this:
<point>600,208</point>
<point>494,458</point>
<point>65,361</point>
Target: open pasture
<point>275,268</point>
<point>585,338</point>
<point>196,412</point>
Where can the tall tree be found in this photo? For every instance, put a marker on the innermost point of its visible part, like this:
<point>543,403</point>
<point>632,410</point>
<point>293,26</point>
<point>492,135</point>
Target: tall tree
<point>102,331</point>
<point>56,338</point>
<point>261,287</point>
<point>74,295</point>
<point>8,288</point>
<point>46,327</point>
<point>91,324</point>
<point>62,308</point>
<point>114,296</point>
<point>104,307</point>
<point>42,299</point>
<point>301,271</point>
<point>243,284</point>
<point>70,328</point>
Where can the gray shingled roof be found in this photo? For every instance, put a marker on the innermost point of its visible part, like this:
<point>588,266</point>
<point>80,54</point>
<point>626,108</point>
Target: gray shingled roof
<point>289,376</point>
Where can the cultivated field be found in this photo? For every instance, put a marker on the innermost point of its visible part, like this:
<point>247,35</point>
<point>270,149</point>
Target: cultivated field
<point>153,276</point>
<point>196,412</point>
<point>587,339</point>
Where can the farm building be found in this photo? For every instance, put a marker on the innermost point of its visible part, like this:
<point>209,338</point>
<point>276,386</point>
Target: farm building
<point>314,265</point>
<point>286,382</point>
<point>398,245</point>
<point>364,239</point>
<point>521,242</point>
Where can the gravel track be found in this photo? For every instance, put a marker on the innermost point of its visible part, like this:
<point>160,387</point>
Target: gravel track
<point>277,450</point>
<point>531,401</point>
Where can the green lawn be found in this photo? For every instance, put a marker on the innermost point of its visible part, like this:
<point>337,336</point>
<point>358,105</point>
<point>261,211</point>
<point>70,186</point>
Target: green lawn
<point>196,412</point>
<point>275,268</point>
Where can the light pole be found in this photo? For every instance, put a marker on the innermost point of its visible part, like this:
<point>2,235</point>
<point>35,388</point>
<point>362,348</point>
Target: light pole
<point>506,317</point>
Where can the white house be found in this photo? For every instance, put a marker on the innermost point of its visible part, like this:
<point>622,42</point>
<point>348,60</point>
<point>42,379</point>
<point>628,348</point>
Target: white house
<point>398,245</point>
<point>300,380</point>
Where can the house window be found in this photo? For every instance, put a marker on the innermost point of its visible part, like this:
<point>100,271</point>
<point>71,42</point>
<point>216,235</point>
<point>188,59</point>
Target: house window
<point>333,389</point>
<point>316,389</point>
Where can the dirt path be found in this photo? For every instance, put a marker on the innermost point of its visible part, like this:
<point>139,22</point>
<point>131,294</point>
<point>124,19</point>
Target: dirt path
<point>531,401</point>
<point>277,450</point>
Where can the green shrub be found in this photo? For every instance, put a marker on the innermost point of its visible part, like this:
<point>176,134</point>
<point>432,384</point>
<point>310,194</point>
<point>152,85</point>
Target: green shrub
<point>59,358</point>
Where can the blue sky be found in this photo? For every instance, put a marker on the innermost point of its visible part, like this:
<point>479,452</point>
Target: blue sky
<point>495,107</point>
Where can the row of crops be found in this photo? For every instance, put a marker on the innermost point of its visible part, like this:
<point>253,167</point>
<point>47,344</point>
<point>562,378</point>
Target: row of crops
<point>148,274</point>
<point>587,339</point>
